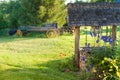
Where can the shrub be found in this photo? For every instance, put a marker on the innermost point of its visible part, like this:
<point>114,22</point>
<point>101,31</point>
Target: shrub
<point>104,63</point>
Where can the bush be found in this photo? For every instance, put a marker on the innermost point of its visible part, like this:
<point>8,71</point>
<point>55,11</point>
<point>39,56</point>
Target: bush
<point>4,32</point>
<point>105,64</point>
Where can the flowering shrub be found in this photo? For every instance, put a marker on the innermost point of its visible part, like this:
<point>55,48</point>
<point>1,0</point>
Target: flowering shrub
<point>104,64</point>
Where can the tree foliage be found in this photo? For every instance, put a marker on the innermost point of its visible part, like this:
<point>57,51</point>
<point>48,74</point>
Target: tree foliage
<point>53,11</point>
<point>32,12</point>
<point>3,16</point>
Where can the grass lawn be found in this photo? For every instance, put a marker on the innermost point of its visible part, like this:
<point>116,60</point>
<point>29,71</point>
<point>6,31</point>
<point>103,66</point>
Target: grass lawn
<point>35,58</point>
<point>31,58</point>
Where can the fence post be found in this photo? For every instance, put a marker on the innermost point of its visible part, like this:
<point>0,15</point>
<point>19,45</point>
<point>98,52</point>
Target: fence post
<point>114,28</point>
<point>77,38</point>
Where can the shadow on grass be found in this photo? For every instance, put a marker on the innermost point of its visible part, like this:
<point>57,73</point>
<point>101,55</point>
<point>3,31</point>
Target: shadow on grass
<point>11,39</point>
<point>4,39</point>
<point>46,71</point>
<point>37,35</point>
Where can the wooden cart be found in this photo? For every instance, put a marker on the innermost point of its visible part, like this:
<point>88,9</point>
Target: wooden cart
<point>51,30</point>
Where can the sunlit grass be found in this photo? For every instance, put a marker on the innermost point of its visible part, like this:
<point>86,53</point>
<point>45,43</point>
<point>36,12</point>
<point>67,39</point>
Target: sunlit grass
<point>35,58</point>
<point>31,58</point>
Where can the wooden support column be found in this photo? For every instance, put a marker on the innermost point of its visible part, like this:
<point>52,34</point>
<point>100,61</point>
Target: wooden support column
<point>77,38</point>
<point>114,28</point>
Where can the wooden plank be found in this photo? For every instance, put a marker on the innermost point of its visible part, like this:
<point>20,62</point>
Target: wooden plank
<point>77,38</point>
<point>114,28</point>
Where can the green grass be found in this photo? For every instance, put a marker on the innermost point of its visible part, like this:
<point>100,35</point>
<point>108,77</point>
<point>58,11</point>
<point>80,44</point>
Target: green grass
<point>35,58</point>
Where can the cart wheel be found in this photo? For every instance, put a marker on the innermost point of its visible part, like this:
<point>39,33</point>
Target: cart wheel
<point>52,33</point>
<point>19,33</point>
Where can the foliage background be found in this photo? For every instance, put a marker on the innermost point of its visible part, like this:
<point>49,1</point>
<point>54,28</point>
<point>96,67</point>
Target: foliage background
<point>32,12</point>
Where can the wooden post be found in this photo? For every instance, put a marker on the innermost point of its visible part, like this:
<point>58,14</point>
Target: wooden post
<point>77,38</point>
<point>114,28</point>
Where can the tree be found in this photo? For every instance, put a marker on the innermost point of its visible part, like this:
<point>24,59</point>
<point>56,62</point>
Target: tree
<point>53,11</point>
<point>33,12</point>
<point>3,16</point>
<point>30,12</point>
<point>13,11</point>
<point>2,21</point>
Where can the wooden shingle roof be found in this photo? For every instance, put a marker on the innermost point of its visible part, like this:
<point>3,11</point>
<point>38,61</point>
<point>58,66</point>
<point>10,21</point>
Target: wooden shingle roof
<point>93,14</point>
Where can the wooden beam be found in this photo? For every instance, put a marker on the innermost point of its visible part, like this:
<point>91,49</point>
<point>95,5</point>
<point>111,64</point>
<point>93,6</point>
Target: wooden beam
<point>77,38</point>
<point>114,28</point>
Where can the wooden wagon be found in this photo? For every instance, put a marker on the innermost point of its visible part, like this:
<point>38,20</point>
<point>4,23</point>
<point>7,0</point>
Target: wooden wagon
<point>51,30</point>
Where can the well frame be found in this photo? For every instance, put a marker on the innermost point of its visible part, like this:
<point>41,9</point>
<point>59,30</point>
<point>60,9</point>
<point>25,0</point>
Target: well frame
<point>100,14</point>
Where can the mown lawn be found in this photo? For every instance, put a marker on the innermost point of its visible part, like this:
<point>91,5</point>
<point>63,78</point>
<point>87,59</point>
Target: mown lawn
<point>37,58</point>
<point>31,58</point>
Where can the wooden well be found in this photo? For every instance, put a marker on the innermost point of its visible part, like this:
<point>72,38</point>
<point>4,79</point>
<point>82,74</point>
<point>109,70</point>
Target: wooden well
<point>92,14</point>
